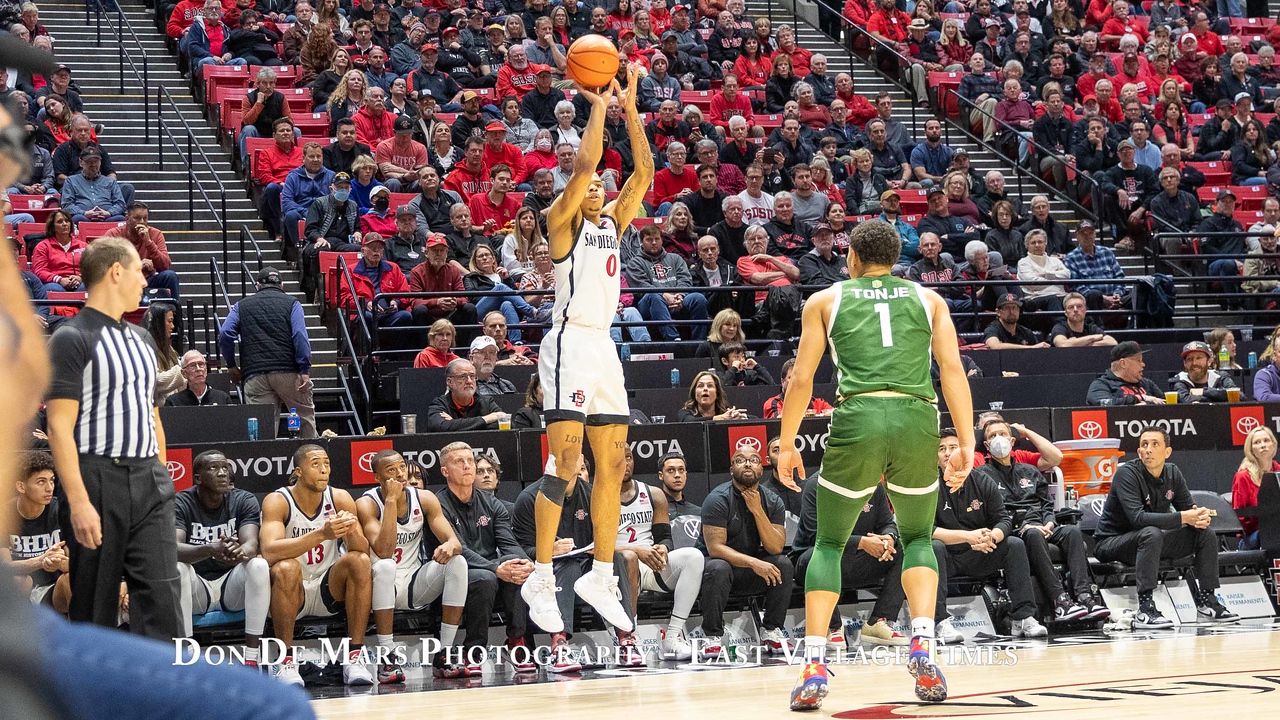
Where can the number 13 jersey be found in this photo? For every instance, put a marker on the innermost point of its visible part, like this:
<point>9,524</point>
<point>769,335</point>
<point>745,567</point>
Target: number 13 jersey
<point>588,279</point>
<point>316,561</point>
<point>881,336</point>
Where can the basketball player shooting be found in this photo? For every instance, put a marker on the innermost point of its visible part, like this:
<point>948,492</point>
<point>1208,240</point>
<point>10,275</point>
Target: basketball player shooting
<point>578,362</point>
<point>881,330</point>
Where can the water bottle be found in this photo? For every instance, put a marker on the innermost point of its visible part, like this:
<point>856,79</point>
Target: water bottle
<point>626,352</point>
<point>253,428</point>
<point>295,423</point>
<point>675,377</point>
<point>1224,359</point>
<point>1253,360</point>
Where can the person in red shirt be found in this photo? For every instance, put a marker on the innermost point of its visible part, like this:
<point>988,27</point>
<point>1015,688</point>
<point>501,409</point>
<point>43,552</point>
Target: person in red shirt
<point>861,111</point>
<point>517,75</point>
<point>752,67</point>
<point>727,103</point>
<point>773,406</point>
<point>1120,25</point>
<point>496,209</point>
<point>659,17</point>
<point>400,158</point>
<point>1097,71</point>
<point>373,123</point>
<point>468,177</point>
<point>675,181</point>
<point>1131,73</point>
<point>439,350</point>
<point>1207,40</point>
<point>151,247</point>
<point>888,23</point>
<point>499,152</point>
<point>185,12</point>
<point>373,276</point>
<point>1259,458</point>
<point>800,57</point>
<point>437,274</point>
<point>271,165</point>
<point>56,259</point>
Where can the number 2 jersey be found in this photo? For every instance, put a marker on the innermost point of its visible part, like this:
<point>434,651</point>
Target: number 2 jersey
<point>408,555</point>
<point>36,536</point>
<point>204,526</point>
<point>881,337</point>
<point>635,526</point>
<point>316,561</point>
<point>588,279</point>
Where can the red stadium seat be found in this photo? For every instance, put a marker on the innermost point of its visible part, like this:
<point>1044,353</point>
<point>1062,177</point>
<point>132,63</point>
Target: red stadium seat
<point>329,271</point>
<point>946,82</point>
<point>1251,25</point>
<point>914,201</point>
<point>1215,173</point>
<point>65,310</point>
<point>398,199</point>
<point>313,126</point>
<point>91,231</point>
<point>25,229</point>
<point>37,206</point>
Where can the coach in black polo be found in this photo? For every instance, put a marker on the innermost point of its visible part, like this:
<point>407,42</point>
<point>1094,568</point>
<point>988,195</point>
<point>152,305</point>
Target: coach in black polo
<point>108,446</point>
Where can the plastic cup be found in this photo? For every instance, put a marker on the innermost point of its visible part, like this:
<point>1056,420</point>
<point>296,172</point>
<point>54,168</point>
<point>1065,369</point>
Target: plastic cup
<point>1171,397</point>
<point>504,422</point>
<point>1233,395</point>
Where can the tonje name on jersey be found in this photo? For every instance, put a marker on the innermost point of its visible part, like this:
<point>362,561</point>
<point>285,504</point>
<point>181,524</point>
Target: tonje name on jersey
<point>879,293</point>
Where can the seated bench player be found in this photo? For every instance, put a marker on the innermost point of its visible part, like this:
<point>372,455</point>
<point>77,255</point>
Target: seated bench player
<point>35,554</point>
<point>319,560</point>
<point>653,561</point>
<point>575,531</point>
<point>401,580</point>
<point>218,560</point>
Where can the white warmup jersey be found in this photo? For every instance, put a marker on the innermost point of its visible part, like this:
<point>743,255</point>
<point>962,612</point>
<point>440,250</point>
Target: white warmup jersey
<point>635,527</point>
<point>588,279</point>
<point>316,561</point>
<point>408,555</point>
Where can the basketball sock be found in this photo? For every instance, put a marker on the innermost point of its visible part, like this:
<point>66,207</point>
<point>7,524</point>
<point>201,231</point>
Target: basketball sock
<point>448,634</point>
<point>387,641</point>
<point>922,627</point>
<point>603,569</point>
<point>252,653</point>
<point>545,570</point>
<point>815,648</point>
<point>676,625</point>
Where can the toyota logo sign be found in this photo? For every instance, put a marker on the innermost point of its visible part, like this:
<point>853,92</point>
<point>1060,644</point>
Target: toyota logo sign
<point>1089,430</point>
<point>177,470</point>
<point>1247,424</point>
<point>748,443</point>
<point>366,461</point>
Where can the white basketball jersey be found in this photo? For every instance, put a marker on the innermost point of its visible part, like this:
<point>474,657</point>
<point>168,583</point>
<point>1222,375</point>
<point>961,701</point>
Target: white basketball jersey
<point>408,530</point>
<point>588,280</point>
<point>635,527</point>
<point>316,561</point>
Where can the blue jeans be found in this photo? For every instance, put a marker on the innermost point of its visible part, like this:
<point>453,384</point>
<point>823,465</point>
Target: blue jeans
<point>1230,8</point>
<point>291,219</point>
<point>653,307</point>
<point>1250,541</point>
<point>1197,107</point>
<point>165,280</point>
<point>101,674</point>
<point>512,307</point>
<point>390,319</point>
<point>1226,269</point>
<point>662,210</point>
<point>638,333</point>
<point>1254,181</point>
<point>271,208</point>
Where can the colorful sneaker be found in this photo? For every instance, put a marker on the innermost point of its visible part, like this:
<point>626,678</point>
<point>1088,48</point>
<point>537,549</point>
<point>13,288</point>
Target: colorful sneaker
<point>442,669</point>
<point>539,593</point>
<point>812,688</point>
<point>287,672</point>
<point>562,655</point>
<point>1211,610</point>
<point>601,592</point>
<point>836,638</point>
<point>1064,610</point>
<point>931,686</point>
<point>355,672</point>
<point>675,646</point>
<point>712,646</point>
<point>390,673</point>
<point>882,633</point>
<point>1149,618</point>
<point>947,633</point>
<point>1097,611</point>
<point>521,660</point>
<point>474,670</point>
<point>629,653</point>
<point>774,641</point>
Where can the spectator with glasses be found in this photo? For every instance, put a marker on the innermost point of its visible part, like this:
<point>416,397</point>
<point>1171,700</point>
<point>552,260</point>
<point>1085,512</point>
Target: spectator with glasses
<point>460,408</point>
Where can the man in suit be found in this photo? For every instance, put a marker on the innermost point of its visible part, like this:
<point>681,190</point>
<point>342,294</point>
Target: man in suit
<point>196,370</point>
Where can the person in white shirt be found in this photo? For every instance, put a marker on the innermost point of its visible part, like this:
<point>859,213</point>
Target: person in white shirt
<point>1039,266</point>
<point>757,206</point>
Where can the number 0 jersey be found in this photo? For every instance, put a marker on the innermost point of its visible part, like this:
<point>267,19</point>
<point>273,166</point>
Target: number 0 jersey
<point>881,336</point>
<point>588,279</point>
<point>408,555</point>
<point>316,561</point>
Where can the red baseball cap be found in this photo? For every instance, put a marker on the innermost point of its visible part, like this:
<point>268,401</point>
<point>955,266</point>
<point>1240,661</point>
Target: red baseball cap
<point>495,126</point>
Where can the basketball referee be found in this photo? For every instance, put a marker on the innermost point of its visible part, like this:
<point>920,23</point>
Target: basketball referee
<point>108,446</point>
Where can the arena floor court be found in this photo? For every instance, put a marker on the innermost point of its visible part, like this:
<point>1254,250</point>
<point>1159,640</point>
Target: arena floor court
<point>1198,671</point>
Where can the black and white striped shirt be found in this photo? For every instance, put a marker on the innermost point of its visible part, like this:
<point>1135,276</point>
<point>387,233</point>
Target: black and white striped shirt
<point>108,367</point>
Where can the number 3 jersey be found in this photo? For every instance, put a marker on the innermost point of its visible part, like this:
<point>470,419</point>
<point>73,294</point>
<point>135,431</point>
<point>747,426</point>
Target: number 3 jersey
<point>316,561</point>
<point>588,279</point>
<point>408,555</point>
<point>881,335</point>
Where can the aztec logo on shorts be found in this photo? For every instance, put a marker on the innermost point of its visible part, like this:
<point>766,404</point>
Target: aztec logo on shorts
<point>578,398</point>
<point>581,514</point>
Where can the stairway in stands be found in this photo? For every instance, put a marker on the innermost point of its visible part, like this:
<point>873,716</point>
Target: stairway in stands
<point>95,68</point>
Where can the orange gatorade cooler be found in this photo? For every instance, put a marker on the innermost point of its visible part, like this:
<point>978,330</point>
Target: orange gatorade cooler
<point>1088,465</point>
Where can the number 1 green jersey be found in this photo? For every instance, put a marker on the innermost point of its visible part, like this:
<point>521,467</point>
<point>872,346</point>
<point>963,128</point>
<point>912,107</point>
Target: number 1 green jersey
<point>881,335</point>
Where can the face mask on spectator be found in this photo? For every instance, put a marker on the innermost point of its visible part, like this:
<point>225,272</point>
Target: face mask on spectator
<point>1000,447</point>
<point>341,195</point>
<point>381,204</point>
<point>544,145</point>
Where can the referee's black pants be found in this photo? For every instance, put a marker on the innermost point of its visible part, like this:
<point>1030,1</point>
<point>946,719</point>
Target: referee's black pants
<point>134,499</point>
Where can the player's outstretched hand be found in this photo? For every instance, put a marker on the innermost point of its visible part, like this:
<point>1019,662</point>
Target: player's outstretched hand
<point>958,466</point>
<point>789,462</point>
<point>627,97</point>
<point>600,97</point>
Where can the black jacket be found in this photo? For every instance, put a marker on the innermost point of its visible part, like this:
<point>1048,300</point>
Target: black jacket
<point>1145,180</point>
<point>444,416</point>
<point>1023,488</point>
<point>1115,391</point>
<point>1058,237</point>
<point>1137,500</point>
<point>1228,245</point>
<point>1214,387</point>
<point>1182,210</point>
<point>266,333</point>
<point>977,504</point>
<point>186,398</point>
<point>814,270</point>
<point>575,517</point>
<point>483,526</point>
<point>876,518</point>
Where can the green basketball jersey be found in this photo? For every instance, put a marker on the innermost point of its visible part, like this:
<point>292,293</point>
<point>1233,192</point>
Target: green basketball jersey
<point>881,337</point>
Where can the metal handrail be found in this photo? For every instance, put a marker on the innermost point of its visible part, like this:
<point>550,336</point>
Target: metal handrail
<point>1020,171</point>
<point>193,183</point>
<point>248,277</point>
<point>345,335</point>
<point>355,423</point>
<point>144,78</point>
<point>219,286</point>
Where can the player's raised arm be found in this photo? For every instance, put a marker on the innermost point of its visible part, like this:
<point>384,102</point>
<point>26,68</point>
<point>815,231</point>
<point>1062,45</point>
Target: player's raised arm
<point>813,341</point>
<point>566,209</point>
<point>955,384</point>
<point>627,206</point>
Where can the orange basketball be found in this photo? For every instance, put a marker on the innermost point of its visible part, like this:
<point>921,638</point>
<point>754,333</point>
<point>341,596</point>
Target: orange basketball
<point>592,61</point>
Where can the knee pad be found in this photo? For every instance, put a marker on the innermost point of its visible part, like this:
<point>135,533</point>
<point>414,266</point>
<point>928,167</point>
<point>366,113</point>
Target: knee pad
<point>384,585</point>
<point>553,489</point>
<point>455,582</point>
<point>258,570</point>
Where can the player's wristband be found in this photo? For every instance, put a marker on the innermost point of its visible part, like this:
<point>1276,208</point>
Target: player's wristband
<point>662,534</point>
